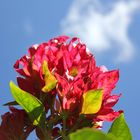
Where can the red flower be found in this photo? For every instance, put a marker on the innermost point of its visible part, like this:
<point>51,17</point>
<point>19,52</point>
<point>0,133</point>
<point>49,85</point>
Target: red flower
<point>74,68</point>
<point>30,66</point>
<point>15,125</point>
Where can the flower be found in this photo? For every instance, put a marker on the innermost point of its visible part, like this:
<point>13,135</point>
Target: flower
<point>67,70</point>
<point>15,125</point>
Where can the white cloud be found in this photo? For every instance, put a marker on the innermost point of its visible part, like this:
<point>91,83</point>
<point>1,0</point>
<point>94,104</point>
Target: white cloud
<point>28,27</point>
<point>102,26</point>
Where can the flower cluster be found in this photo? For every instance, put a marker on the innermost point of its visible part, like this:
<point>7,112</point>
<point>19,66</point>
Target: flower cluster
<point>61,74</point>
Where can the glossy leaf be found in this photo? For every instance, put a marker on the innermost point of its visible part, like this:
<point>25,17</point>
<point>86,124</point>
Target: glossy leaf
<point>30,104</point>
<point>90,134</point>
<point>120,129</point>
<point>92,101</point>
<point>50,80</point>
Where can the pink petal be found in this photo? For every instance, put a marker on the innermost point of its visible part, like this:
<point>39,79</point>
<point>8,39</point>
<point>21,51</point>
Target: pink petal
<point>111,100</point>
<point>110,116</point>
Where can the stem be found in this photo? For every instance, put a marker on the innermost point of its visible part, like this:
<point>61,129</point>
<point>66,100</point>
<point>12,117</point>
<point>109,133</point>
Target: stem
<point>64,125</point>
<point>63,135</point>
<point>76,125</point>
<point>46,134</point>
<point>64,117</point>
<point>74,128</point>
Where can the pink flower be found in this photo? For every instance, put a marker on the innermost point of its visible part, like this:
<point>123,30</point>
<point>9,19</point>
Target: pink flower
<point>74,69</point>
<point>30,66</point>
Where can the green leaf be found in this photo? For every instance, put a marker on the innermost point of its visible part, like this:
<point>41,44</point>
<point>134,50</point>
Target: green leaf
<point>120,129</point>
<point>50,80</point>
<point>92,101</point>
<point>30,104</point>
<point>11,103</point>
<point>90,134</point>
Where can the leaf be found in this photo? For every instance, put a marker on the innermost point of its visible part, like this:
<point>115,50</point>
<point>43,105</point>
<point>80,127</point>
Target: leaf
<point>92,101</point>
<point>50,80</point>
<point>120,129</point>
<point>11,103</point>
<point>30,104</point>
<point>90,134</point>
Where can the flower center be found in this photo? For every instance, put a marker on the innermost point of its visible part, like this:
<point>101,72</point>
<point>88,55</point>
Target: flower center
<point>73,71</point>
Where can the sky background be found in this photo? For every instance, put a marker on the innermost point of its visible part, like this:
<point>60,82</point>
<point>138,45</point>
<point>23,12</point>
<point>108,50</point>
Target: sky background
<point>111,30</point>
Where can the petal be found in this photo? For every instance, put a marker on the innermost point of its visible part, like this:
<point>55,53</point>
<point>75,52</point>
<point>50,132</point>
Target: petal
<point>110,115</point>
<point>69,104</point>
<point>63,85</point>
<point>107,81</point>
<point>23,84</point>
<point>111,101</point>
<point>18,70</point>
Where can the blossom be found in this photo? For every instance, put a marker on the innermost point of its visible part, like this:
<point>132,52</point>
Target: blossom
<point>15,125</point>
<point>67,70</point>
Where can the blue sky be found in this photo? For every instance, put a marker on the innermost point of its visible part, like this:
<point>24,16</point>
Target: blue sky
<point>110,30</point>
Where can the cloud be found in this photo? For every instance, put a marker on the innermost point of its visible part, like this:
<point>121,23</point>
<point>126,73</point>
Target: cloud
<point>28,27</point>
<point>102,26</point>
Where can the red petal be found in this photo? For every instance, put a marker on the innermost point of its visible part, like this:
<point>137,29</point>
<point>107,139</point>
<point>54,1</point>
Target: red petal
<point>107,81</point>
<point>111,101</point>
<point>23,84</point>
<point>109,115</point>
